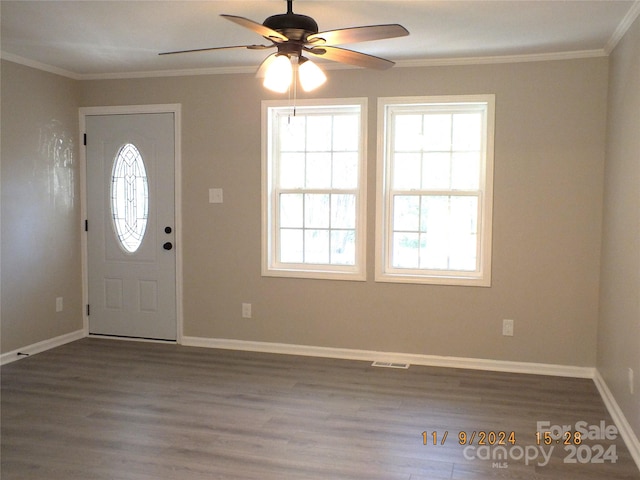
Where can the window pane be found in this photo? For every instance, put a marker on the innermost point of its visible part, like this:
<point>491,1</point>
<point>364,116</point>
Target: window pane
<point>292,133</point>
<point>343,247</point>
<point>464,213</point>
<point>346,135</point>
<point>291,212</point>
<point>467,131</point>
<point>434,254</point>
<point>406,171</point>
<point>434,221</point>
<point>434,215</point>
<point>291,170</point>
<point>406,250</point>
<point>436,172</point>
<point>465,171</point>
<point>291,246</point>
<point>408,133</point>
<point>463,253</point>
<point>343,211</point>
<point>319,133</point>
<point>316,211</point>
<point>450,224</point>
<point>318,173</point>
<point>316,246</point>
<point>437,132</point>
<point>345,170</point>
<point>406,213</point>
<point>463,233</point>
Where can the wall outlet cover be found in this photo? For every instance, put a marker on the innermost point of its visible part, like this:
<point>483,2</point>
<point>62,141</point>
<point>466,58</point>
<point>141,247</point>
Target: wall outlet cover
<point>507,327</point>
<point>215,195</point>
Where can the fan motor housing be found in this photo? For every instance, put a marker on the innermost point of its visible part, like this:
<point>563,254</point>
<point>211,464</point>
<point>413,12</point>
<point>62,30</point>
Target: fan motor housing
<point>292,25</point>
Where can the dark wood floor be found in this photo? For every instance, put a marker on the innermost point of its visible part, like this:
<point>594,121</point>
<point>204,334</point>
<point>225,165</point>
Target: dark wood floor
<point>103,409</point>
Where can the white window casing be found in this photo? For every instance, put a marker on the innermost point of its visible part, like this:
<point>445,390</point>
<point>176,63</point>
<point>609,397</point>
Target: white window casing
<point>314,189</point>
<point>434,194</point>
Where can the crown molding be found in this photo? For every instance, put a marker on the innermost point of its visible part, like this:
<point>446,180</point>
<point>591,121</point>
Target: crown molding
<point>536,57</point>
<point>624,25</point>
<point>38,65</point>
<point>433,62</point>
<point>186,72</point>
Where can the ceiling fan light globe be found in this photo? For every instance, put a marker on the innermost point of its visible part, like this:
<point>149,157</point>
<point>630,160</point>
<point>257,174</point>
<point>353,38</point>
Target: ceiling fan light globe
<point>311,76</point>
<point>279,74</point>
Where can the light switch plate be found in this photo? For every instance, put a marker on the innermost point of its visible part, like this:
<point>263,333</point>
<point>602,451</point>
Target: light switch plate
<point>215,195</point>
<point>507,327</point>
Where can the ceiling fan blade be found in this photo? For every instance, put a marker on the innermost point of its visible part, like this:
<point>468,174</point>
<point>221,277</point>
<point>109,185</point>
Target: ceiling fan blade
<point>257,27</point>
<point>357,34</point>
<point>350,57</point>
<point>250,47</point>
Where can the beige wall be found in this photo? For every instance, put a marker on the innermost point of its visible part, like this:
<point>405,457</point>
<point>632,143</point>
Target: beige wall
<point>549,160</point>
<point>40,207</point>
<point>619,326</point>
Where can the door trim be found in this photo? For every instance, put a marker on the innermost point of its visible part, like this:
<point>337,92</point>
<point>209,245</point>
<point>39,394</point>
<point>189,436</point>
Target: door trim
<point>176,109</point>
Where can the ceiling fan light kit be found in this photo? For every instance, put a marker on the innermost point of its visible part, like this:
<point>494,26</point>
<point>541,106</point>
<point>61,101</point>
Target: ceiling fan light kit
<point>292,34</point>
<point>279,74</point>
<point>311,75</point>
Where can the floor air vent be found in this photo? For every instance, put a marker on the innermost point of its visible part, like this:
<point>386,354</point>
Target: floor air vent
<point>390,365</point>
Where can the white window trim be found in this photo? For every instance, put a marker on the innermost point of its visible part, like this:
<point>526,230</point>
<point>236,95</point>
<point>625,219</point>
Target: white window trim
<point>357,272</point>
<point>483,277</point>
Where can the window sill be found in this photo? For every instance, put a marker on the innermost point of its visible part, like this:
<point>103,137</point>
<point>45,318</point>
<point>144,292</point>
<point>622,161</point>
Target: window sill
<point>463,281</point>
<point>314,274</point>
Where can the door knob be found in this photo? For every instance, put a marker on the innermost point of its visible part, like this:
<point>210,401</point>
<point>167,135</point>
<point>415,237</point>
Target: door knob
<point>167,246</point>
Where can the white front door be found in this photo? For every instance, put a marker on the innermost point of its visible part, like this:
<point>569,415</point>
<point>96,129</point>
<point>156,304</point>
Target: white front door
<point>131,225</point>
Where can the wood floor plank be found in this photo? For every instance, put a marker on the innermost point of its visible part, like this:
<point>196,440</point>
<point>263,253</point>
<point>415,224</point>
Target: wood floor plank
<point>102,409</point>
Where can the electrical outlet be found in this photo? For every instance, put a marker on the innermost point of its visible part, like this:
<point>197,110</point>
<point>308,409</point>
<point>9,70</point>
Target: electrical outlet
<point>215,195</point>
<point>631,381</point>
<point>246,310</point>
<point>59,304</point>
<point>507,327</point>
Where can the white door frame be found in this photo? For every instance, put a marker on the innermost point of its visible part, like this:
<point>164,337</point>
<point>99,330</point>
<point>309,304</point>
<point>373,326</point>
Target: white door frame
<point>176,109</point>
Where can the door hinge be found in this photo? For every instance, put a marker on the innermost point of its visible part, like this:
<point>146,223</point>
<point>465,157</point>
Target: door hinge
<point>88,310</point>
<point>84,139</point>
<point>86,225</point>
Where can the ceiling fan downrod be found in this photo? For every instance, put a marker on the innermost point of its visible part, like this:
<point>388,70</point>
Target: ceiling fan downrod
<point>294,26</point>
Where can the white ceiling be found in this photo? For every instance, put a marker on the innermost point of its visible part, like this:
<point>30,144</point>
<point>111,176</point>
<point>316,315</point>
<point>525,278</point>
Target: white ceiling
<point>93,39</point>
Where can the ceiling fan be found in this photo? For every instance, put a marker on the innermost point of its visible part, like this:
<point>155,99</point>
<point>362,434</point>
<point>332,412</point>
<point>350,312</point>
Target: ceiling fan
<point>293,34</point>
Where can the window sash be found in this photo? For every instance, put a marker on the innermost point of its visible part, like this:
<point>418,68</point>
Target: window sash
<point>424,232</point>
<point>331,225</point>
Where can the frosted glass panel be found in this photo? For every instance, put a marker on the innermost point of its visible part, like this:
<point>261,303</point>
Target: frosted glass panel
<point>129,198</point>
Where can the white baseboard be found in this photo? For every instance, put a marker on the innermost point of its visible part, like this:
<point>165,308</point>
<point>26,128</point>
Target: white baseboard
<point>628,435</point>
<point>41,346</point>
<point>372,356</point>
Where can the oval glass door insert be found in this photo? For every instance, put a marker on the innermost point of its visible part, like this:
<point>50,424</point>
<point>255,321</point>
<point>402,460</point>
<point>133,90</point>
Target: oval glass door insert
<point>129,198</point>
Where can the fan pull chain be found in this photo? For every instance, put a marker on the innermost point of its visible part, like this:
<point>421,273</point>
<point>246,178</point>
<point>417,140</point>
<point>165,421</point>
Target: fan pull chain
<point>295,92</point>
<point>295,86</point>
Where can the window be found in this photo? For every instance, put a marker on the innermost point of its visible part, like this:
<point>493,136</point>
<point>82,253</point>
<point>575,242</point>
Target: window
<point>129,198</point>
<point>314,189</point>
<point>435,182</point>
